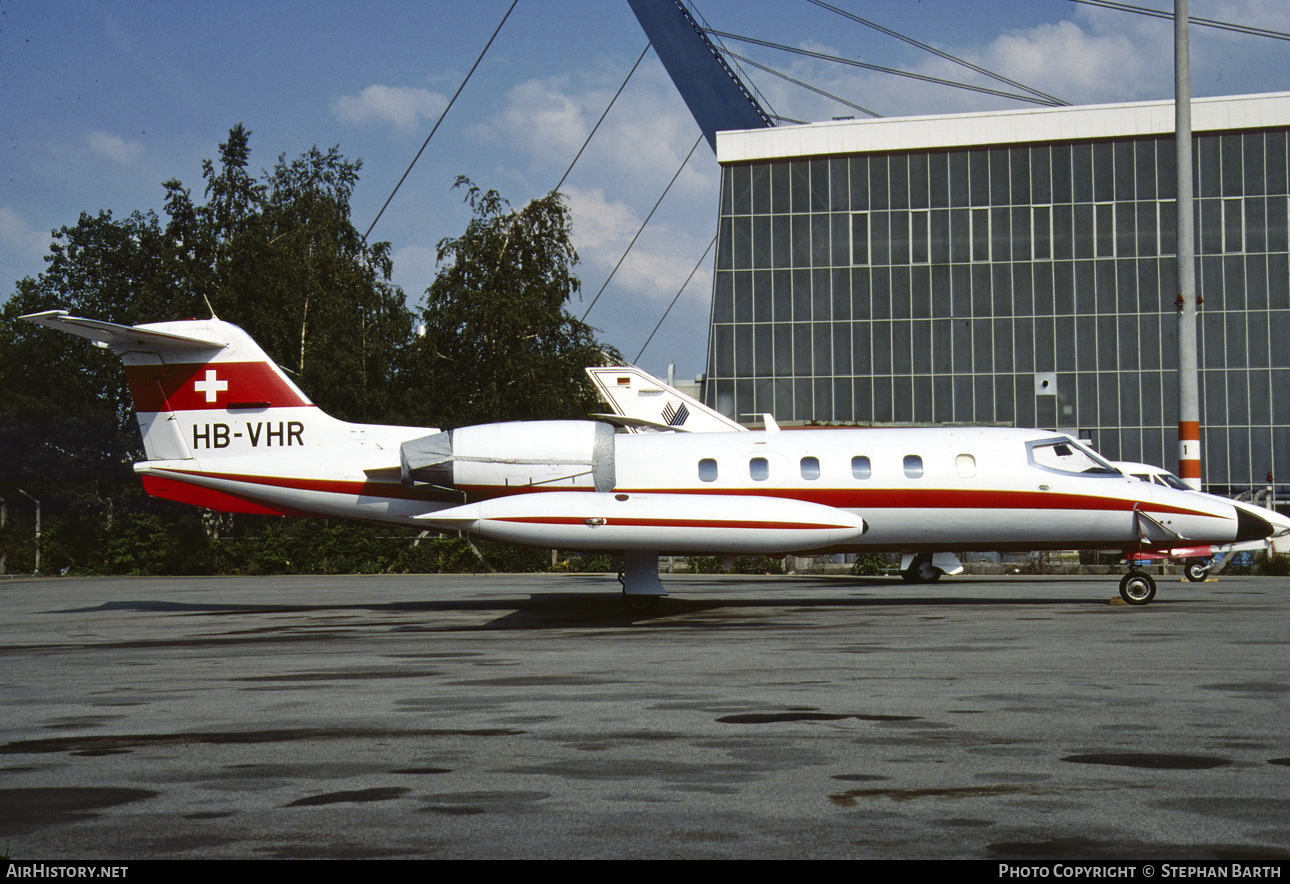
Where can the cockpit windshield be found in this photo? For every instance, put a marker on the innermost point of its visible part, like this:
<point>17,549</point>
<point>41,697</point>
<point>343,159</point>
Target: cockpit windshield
<point>1064,455</point>
<point>1173,482</point>
<point>1157,476</point>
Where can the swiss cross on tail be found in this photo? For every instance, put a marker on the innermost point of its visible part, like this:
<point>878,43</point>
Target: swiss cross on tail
<point>193,365</point>
<point>212,386</point>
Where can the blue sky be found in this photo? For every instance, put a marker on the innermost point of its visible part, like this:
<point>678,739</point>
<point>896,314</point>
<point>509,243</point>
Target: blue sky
<point>105,99</point>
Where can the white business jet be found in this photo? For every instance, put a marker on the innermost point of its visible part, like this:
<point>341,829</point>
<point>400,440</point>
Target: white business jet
<point>225,428</point>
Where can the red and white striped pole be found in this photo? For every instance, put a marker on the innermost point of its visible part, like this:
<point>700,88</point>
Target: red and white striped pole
<point>1188,372</point>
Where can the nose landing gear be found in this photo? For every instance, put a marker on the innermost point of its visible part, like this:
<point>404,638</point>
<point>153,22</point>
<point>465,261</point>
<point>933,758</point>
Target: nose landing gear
<point>1197,570</point>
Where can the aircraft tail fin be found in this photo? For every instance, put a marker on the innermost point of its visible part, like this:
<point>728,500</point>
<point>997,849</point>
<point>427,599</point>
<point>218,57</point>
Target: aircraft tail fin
<point>201,388</point>
<point>642,403</point>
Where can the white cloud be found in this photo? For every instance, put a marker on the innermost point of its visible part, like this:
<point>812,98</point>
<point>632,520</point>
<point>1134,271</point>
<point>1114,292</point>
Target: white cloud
<point>599,223</point>
<point>658,270</point>
<point>1083,66</point>
<point>658,262</point>
<point>643,138</point>
<point>639,146</point>
<point>402,106</point>
<point>1097,56</point>
<point>1273,15</point>
<point>114,148</point>
<point>414,270</point>
<point>541,117</point>
<point>17,234</point>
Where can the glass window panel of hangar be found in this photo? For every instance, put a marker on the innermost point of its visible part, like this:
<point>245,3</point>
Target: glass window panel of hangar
<point>1059,256</point>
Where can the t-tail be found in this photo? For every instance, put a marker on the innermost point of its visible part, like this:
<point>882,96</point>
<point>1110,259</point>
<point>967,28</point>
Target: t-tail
<point>224,427</point>
<point>201,388</point>
<point>641,402</point>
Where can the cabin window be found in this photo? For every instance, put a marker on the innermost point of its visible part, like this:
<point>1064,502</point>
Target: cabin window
<point>810,467</point>
<point>966,465</point>
<point>913,466</point>
<point>759,469</point>
<point>708,470</point>
<point>860,467</point>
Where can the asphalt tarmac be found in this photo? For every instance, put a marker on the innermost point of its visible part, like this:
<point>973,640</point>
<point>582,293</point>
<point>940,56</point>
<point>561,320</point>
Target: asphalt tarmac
<point>532,716</point>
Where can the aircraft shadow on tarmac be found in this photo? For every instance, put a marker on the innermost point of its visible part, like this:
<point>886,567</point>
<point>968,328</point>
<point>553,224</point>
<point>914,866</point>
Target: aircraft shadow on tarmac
<point>594,608</point>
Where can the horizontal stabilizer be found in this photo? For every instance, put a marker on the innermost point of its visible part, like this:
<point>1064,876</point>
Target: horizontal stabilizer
<point>634,422</point>
<point>110,334</point>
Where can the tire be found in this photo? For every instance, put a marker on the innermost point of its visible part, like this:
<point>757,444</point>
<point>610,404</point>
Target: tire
<point>1137,588</point>
<point>1196,570</point>
<point>641,604</point>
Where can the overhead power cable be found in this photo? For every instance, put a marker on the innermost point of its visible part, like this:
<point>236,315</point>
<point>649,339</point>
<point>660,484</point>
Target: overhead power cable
<point>1203,22</point>
<point>873,67</point>
<point>673,304</point>
<point>440,120</point>
<point>797,82</point>
<point>602,116</point>
<point>945,55</point>
<point>697,141</point>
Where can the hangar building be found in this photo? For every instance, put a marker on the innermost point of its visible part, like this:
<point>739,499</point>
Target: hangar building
<point>1014,267</point>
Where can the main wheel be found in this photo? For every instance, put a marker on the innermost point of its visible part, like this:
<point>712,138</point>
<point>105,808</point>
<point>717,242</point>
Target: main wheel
<point>1196,570</point>
<point>1137,588</point>
<point>641,604</point>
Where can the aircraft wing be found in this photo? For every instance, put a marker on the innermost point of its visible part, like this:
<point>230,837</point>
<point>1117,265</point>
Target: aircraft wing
<point>110,334</point>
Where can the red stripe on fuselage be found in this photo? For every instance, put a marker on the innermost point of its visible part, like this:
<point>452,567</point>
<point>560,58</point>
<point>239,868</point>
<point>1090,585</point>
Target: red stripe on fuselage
<point>195,495</point>
<point>887,498</point>
<point>613,522</point>
<point>384,490</point>
<point>853,499</point>
<point>937,498</point>
<point>199,386</point>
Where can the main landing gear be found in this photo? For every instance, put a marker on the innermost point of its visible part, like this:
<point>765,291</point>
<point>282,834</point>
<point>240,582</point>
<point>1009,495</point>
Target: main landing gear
<point>1137,587</point>
<point>920,570</point>
<point>639,576</point>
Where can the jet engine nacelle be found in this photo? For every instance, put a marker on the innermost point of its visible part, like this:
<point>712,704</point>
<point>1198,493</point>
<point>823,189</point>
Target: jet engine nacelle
<point>547,455</point>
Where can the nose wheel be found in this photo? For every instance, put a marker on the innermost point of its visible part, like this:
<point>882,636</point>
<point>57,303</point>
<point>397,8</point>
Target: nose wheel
<point>1196,570</point>
<point>1137,588</point>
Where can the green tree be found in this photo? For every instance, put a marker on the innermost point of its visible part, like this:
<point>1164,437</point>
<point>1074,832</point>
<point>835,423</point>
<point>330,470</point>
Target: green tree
<point>67,430</point>
<point>275,253</point>
<point>498,342</point>
<point>281,257</point>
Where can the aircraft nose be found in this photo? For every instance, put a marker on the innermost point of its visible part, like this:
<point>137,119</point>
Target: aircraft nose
<point>1251,527</point>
